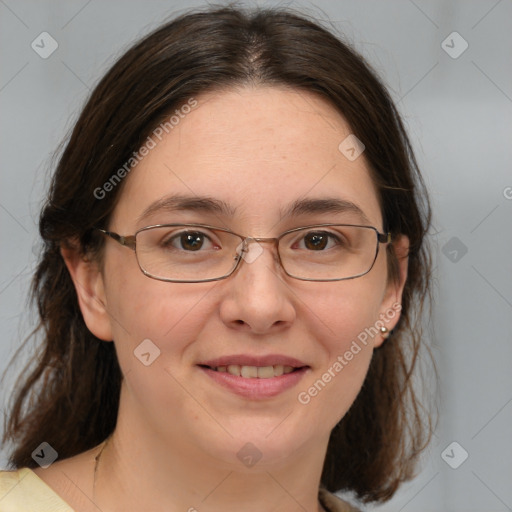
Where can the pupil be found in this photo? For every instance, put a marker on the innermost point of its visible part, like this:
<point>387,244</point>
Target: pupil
<point>192,241</point>
<point>316,241</point>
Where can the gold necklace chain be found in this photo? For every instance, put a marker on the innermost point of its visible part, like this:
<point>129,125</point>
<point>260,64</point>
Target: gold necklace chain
<point>96,464</point>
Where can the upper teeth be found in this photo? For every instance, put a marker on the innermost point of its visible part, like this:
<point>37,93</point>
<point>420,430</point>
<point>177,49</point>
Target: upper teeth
<point>253,372</point>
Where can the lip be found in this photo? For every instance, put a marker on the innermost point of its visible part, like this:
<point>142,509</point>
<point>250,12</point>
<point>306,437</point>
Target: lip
<point>256,389</point>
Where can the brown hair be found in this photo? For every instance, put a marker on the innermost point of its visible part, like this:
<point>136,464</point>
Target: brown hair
<point>70,397</point>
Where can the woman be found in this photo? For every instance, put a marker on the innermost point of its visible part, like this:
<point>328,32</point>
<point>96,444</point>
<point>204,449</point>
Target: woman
<point>234,253</point>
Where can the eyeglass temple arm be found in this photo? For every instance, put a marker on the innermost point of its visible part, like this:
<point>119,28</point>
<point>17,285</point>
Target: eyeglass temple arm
<point>128,241</point>
<point>384,238</point>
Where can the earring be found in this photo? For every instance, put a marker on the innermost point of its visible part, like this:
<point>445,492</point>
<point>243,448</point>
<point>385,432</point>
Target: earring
<point>384,332</point>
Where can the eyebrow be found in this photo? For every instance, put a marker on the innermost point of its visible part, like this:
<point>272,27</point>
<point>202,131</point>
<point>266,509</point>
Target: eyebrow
<point>324,205</point>
<point>188,203</point>
<point>211,205</point>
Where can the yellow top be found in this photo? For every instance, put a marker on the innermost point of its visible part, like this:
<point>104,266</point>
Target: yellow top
<point>24,491</point>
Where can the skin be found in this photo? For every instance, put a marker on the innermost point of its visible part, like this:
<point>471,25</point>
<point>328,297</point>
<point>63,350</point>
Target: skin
<point>178,432</point>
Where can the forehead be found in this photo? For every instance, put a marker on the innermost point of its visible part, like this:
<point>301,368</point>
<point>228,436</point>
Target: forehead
<point>258,152</point>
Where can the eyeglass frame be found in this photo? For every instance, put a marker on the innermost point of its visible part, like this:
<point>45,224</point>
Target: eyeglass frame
<point>130,241</point>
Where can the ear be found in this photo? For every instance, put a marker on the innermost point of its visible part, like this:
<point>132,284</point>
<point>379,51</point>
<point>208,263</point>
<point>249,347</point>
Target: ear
<point>89,288</point>
<point>392,300</point>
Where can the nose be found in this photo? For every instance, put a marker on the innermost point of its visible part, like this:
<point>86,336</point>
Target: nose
<point>258,298</point>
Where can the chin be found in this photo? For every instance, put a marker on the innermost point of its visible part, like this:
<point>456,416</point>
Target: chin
<point>265,443</point>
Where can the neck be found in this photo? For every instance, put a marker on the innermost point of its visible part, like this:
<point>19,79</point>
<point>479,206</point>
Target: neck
<point>134,471</point>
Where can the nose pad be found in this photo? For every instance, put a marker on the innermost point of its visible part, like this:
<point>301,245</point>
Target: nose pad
<point>250,250</point>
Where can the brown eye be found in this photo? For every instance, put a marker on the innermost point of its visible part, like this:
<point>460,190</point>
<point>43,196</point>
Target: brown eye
<point>316,241</point>
<point>191,241</point>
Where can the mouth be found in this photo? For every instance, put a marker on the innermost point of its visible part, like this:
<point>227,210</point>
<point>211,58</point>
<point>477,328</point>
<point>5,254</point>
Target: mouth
<point>253,377</point>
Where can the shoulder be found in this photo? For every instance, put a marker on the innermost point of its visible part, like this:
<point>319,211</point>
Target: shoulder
<point>332,503</point>
<point>24,491</point>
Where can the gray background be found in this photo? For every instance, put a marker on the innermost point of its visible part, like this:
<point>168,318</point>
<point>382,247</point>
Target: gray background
<point>458,112</point>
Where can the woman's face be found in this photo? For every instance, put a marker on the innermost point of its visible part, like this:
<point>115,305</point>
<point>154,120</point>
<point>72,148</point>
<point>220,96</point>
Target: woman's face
<point>257,151</point>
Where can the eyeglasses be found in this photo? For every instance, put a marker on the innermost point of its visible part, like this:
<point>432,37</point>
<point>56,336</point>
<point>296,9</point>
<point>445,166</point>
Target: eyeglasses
<point>194,253</point>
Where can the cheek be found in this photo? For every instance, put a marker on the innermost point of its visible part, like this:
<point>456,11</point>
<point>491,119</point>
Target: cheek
<point>330,391</point>
<point>344,311</point>
<point>343,317</point>
<point>141,308</point>
<point>171,317</point>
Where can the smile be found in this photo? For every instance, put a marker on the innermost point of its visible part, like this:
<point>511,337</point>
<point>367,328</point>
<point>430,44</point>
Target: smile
<point>255,372</point>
